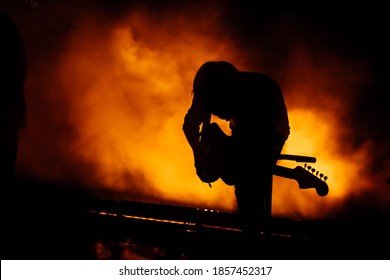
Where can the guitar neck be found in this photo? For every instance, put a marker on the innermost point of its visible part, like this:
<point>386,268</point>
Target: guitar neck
<point>284,172</point>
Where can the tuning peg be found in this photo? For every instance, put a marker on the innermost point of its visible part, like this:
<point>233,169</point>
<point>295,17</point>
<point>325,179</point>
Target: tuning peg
<point>326,177</point>
<point>313,170</point>
<point>321,175</point>
<point>309,167</point>
<point>305,165</point>
<point>317,173</point>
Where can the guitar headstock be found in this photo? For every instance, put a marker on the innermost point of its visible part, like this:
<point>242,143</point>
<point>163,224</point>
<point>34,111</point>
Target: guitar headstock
<point>309,177</point>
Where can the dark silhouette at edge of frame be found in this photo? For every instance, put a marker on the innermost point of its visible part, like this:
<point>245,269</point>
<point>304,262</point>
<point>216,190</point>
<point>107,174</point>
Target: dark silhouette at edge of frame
<point>13,71</point>
<point>13,105</point>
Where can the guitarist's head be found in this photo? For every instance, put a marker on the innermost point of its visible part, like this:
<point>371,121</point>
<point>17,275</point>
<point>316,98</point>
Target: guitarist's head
<point>214,85</point>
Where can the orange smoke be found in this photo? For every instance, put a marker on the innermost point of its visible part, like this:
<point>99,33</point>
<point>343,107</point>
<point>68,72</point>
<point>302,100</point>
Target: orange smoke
<point>128,91</point>
<point>127,87</point>
<point>319,92</point>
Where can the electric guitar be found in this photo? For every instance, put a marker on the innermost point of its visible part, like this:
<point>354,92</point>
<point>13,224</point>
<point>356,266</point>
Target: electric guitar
<point>216,161</point>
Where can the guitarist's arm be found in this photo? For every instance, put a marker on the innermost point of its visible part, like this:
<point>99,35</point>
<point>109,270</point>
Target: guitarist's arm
<point>193,120</point>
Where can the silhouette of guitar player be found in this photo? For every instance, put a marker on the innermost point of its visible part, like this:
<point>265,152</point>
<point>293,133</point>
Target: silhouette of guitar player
<point>254,106</point>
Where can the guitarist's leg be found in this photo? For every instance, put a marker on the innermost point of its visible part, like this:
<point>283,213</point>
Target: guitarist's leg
<point>254,190</point>
<point>250,202</point>
<point>268,188</point>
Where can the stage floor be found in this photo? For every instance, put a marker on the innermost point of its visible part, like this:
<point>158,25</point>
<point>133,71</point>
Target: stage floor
<point>44,225</point>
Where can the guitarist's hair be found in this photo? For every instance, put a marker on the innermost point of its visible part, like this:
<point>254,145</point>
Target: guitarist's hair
<point>213,79</point>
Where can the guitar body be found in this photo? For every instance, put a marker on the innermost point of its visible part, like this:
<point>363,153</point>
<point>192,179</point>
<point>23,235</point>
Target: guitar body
<point>217,159</point>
